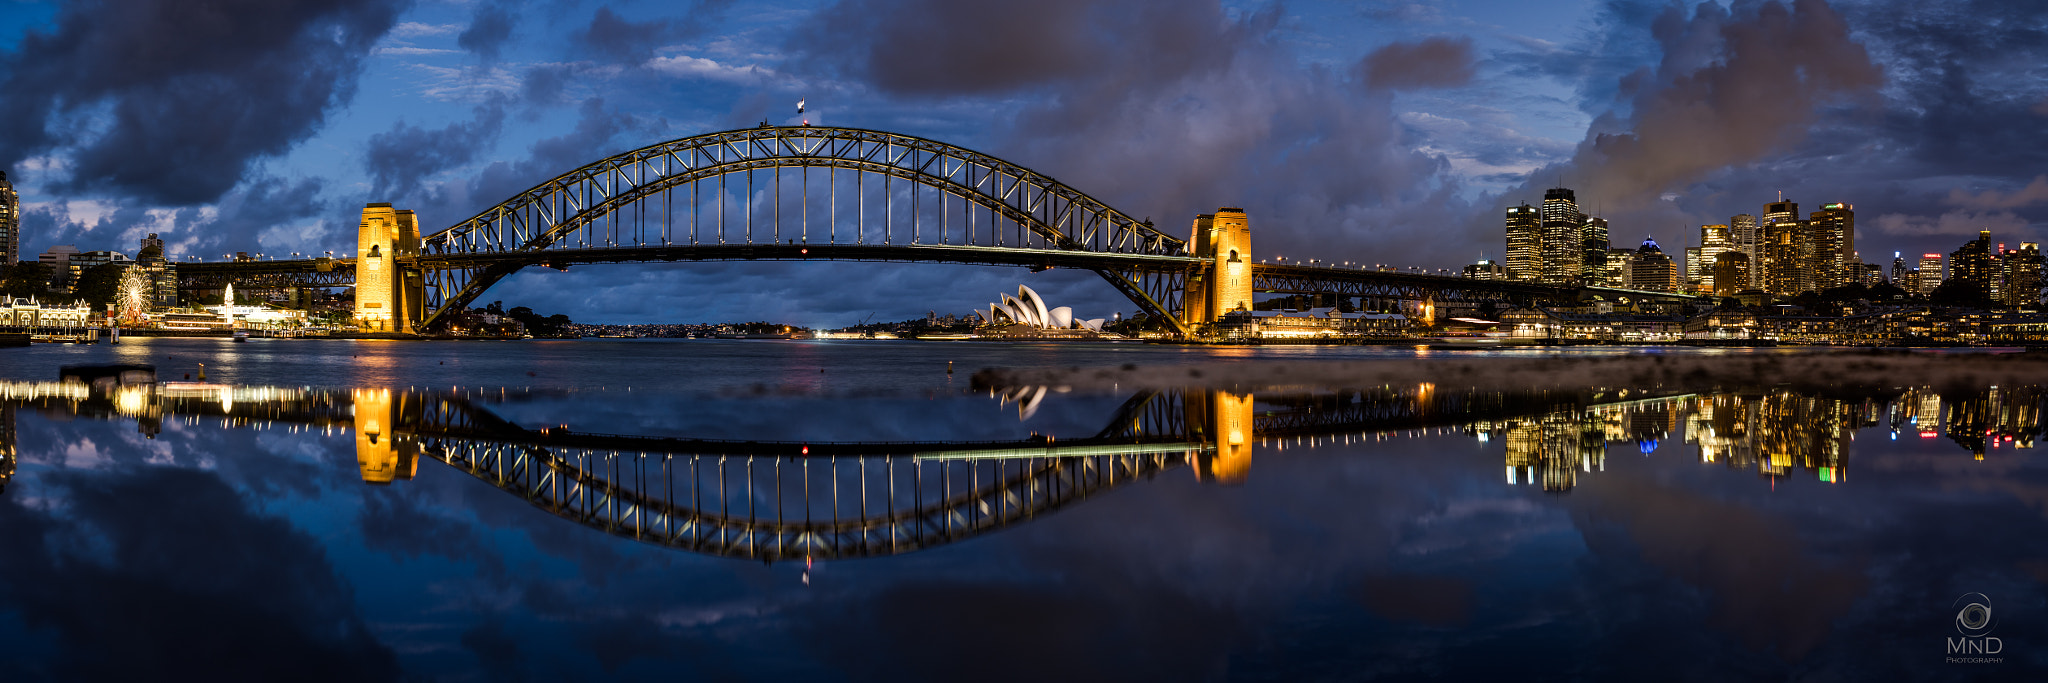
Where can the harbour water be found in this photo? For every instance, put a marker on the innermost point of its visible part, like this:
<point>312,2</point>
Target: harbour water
<point>850,511</point>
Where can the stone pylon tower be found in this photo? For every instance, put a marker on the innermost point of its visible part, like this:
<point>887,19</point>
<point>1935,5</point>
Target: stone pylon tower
<point>387,297</point>
<point>1225,240</point>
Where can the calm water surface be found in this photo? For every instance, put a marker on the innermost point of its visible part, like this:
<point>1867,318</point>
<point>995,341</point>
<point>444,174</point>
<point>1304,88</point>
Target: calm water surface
<point>724,510</point>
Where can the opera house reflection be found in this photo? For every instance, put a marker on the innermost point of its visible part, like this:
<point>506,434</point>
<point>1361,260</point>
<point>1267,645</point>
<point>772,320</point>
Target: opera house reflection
<point>773,500</point>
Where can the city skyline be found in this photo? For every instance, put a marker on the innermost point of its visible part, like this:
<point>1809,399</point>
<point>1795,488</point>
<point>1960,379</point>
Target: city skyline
<point>1389,132</point>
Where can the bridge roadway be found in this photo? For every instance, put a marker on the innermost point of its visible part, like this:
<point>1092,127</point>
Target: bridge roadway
<point>1266,278</point>
<point>774,500</point>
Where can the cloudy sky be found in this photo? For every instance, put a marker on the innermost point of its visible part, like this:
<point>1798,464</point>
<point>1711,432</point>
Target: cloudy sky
<point>1380,131</point>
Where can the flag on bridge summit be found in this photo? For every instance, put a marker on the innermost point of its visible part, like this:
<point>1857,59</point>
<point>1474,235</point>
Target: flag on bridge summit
<point>799,106</point>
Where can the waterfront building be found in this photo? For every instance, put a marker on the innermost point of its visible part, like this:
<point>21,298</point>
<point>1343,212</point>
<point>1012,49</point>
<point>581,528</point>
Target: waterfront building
<point>1525,243</point>
<point>1930,274</point>
<point>1486,269</point>
<point>1748,239</point>
<point>32,313</point>
<point>1225,239</point>
<point>1028,312</point>
<point>10,222</point>
<point>1651,270</point>
<point>1972,262</point>
<point>1564,241</point>
<point>1832,256</point>
<point>1593,265</point>
<point>386,299</point>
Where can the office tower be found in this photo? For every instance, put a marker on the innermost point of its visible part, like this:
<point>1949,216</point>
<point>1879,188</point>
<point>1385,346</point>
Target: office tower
<point>1749,239</point>
<point>1972,263</point>
<point>10,222</point>
<point>1651,270</point>
<point>1689,272</point>
<point>1714,240</point>
<point>1930,273</point>
<point>1593,264</point>
<point>1898,270</point>
<point>2022,268</point>
<point>1564,240</point>
<point>1832,231</point>
<point>1785,249</point>
<point>57,264</point>
<point>1619,261</point>
<point>1525,242</point>
<point>1731,273</point>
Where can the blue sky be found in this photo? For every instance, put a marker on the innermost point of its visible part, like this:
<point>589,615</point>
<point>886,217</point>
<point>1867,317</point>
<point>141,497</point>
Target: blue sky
<point>1374,131</point>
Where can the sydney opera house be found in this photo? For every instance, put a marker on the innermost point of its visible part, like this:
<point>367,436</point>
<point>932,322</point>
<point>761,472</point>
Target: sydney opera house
<point>1026,315</point>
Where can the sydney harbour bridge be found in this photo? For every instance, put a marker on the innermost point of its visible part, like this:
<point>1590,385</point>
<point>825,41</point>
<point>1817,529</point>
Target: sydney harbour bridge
<point>779,500</point>
<point>797,193</point>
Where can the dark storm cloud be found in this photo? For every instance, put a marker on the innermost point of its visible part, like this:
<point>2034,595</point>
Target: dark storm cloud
<point>618,39</point>
<point>399,158</point>
<point>1162,109</point>
<point>1969,73</point>
<point>992,47</point>
<point>1732,88</point>
<point>1435,62</point>
<point>170,102</point>
<point>262,210</point>
<point>489,27</point>
<point>127,592</point>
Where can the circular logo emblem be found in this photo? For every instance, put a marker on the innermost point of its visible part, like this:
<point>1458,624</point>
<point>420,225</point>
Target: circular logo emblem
<point>1973,615</point>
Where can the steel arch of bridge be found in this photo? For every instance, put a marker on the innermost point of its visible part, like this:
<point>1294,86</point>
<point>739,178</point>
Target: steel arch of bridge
<point>600,212</point>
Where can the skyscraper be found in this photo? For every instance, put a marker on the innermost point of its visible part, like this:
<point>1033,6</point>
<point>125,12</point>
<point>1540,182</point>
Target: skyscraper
<point>1593,263</point>
<point>2022,279</point>
<point>1972,263</point>
<point>1898,270</point>
<point>10,222</point>
<point>1832,232</point>
<point>1652,270</point>
<point>1786,249</point>
<point>1525,243</point>
<point>1715,240</point>
<point>1930,273</point>
<point>1731,272</point>
<point>1749,240</point>
<point>1564,240</point>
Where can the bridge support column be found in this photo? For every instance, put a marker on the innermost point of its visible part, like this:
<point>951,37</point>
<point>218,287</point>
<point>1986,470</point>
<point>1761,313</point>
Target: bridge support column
<point>1226,421</point>
<point>1224,284</point>
<point>380,455</point>
<point>388,298</point>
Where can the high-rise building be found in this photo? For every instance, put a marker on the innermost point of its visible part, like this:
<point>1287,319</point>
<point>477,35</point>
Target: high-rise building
<point>1898,270</point>
<point>1786,250</point>
<point>10,222</point>
<point>1731,273</point>
<point>1930,274</point>
<point>1715,240</point>
<point>1689,272</point>
<point>1564,241</point>
<point>1972,263</point>
<point>57,264</point>
<point>2022,275</point>
<point>1832,231</point>
<point>1593,263</point>
<point>1651,270</point>
<point>1525,243</point>
<point>1749,239</point>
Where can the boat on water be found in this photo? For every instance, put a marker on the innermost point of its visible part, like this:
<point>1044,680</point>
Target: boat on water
<point>241,335</point>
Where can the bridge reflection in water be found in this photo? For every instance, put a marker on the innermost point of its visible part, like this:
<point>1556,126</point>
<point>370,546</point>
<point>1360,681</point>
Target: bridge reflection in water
<point>772,500</point>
